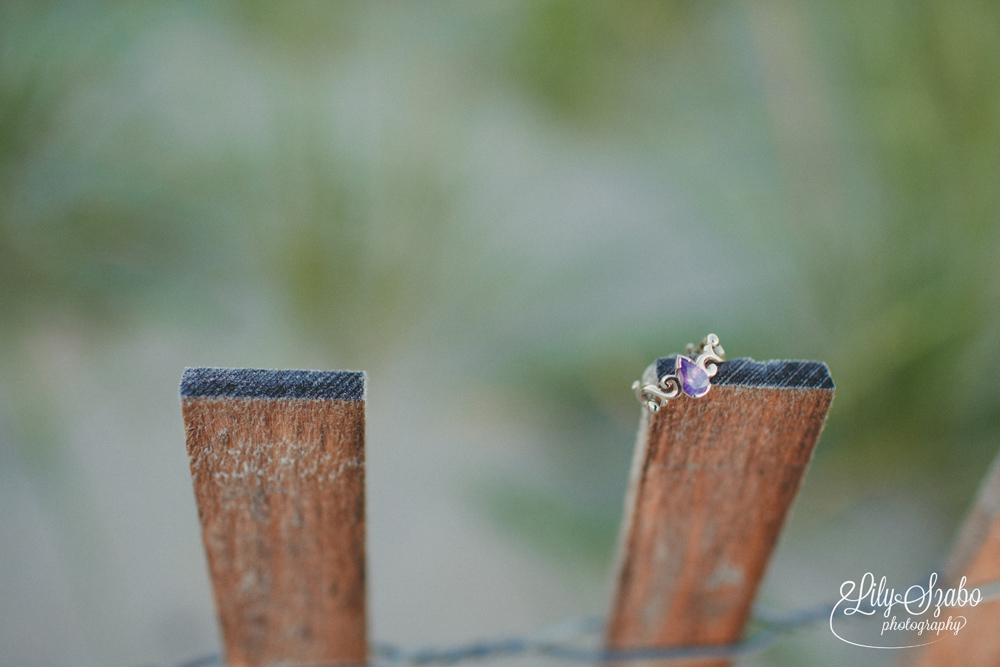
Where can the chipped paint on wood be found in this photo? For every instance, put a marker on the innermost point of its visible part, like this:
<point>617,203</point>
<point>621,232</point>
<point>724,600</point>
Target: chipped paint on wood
<point>279,485</point>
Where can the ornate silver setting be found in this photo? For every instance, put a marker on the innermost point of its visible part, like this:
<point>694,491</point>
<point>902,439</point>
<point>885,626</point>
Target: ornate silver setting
<point>691,373</point>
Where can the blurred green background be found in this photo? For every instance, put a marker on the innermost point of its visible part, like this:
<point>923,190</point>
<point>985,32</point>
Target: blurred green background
<point>503,211</point>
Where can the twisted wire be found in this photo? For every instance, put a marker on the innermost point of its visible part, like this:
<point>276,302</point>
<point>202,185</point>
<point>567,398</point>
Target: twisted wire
<point>557,642</point>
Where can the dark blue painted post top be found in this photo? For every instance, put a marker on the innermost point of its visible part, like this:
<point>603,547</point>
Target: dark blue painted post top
<point>260,383</point>
<point>749,373</point>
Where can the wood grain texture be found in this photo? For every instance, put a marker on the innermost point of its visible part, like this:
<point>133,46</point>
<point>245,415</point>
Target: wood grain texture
<point>279,484</point>
<point>976,556</point>
<point>711,483</point>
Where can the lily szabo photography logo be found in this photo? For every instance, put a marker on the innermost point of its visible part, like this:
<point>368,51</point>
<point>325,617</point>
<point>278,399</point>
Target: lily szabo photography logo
<point>915,617</point>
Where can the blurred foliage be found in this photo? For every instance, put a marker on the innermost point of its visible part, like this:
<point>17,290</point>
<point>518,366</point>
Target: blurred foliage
<point>324,157</point>
<point>98,210</point>
<point>880,179</point>
<point>568,532</point>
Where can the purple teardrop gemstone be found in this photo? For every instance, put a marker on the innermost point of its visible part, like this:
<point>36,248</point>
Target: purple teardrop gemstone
<point>694,380</point>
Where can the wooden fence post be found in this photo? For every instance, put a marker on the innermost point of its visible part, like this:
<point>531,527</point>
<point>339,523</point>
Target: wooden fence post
<point>976,556</point>
<point>712,481</point>
<point>278,466</point>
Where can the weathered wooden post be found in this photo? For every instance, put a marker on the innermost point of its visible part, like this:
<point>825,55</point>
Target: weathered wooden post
<point>278,466</point>
<point>712,481</point>
<point>976,556</point>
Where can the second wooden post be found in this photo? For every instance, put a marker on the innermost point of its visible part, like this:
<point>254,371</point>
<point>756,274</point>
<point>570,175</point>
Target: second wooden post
<point>711,483</point>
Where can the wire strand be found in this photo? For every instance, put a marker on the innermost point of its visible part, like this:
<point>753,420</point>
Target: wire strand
<point>556,642</point>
